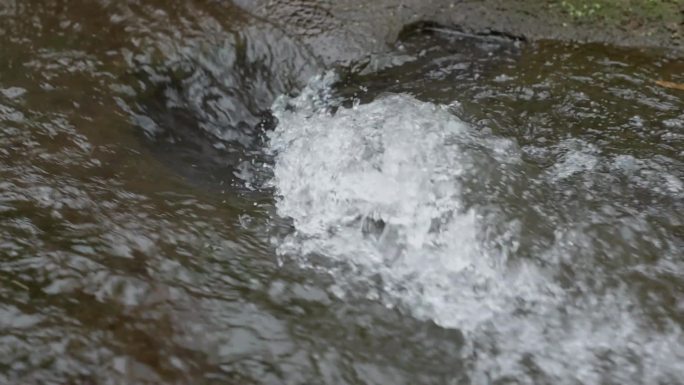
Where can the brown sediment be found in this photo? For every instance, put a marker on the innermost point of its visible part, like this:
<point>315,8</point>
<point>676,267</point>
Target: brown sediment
<point>666,84</point>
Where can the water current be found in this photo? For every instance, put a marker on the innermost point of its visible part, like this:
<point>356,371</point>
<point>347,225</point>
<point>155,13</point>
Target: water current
<point>188,197</point>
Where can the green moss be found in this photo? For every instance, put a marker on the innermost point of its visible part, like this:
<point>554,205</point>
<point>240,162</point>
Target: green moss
<point>621,12</point>
<point>579,10</point>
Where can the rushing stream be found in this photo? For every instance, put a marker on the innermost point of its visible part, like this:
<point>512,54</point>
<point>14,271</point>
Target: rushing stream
<point>461,210</point>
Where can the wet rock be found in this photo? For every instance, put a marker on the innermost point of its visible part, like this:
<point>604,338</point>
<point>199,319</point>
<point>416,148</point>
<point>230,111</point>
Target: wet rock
<point>345,30</point>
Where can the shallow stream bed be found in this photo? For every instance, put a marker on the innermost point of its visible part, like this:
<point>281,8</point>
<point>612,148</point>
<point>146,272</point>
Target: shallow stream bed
<point>461,210</point>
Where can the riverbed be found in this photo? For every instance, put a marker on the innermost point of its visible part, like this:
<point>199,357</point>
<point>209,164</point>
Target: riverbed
<point>188,195</point>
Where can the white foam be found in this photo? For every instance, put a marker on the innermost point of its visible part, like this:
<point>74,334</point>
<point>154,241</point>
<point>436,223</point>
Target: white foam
<point>381,187</point>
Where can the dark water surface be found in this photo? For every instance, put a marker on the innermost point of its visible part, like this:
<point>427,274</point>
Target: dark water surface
<point>142,240</point>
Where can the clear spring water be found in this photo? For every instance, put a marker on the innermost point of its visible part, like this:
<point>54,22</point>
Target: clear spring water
<point>442,214</point>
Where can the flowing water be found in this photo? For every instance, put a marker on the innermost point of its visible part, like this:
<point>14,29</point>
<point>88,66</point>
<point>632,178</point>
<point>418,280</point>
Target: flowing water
<point>461,210</point>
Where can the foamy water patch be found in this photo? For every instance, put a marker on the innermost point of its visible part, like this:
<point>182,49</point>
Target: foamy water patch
<point>382,188</point>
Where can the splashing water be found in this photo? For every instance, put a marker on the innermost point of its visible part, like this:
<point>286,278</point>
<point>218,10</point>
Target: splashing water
<point>390,189</point>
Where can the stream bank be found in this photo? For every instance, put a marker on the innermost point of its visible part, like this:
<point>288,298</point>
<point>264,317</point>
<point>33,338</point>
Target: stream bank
<point>348,29</point>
